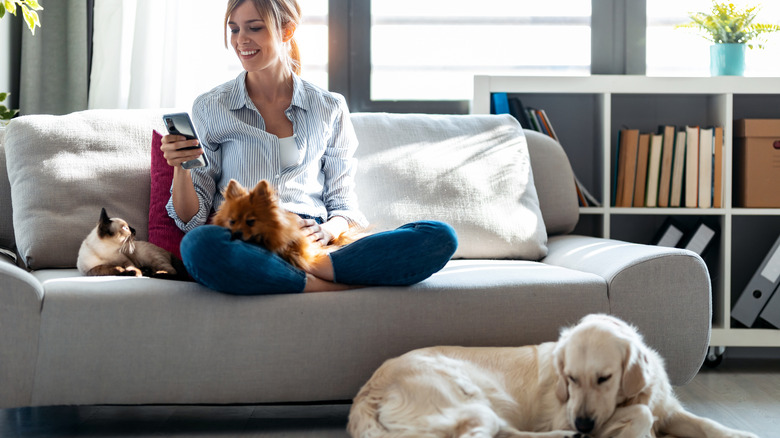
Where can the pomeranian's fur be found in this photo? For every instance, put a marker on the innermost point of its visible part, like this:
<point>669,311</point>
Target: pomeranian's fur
<point>257,217</point>
<point>111,249</point>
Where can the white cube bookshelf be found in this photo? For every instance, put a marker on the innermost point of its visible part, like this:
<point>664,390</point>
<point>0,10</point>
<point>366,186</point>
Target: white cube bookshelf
<point>588,112</point>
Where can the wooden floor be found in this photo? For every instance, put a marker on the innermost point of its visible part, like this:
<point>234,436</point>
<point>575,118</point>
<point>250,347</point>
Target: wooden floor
<point>741,393</point>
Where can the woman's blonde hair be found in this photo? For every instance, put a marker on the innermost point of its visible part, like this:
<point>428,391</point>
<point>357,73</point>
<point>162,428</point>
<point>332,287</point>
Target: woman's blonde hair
<point>278,15</point>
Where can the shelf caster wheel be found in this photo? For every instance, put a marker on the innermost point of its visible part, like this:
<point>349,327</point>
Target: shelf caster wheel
<point>714,356</point>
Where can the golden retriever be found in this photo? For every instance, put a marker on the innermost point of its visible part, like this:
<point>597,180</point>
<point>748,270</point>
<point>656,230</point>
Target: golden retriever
<point>599,379</point>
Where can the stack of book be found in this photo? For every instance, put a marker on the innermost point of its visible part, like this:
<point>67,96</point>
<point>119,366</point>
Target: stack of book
<point>675,167</point>
<point>537,120</point>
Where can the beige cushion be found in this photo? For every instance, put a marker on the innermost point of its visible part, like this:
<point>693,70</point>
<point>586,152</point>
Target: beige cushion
<point>63,169</point>
<point>473,172</point>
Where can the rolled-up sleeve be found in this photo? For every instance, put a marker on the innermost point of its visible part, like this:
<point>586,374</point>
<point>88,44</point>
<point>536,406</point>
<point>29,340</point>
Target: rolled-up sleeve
<point>203,178</point>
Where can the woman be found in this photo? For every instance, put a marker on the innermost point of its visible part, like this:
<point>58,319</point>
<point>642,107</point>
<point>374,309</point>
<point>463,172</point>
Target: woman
<point>270,124</point>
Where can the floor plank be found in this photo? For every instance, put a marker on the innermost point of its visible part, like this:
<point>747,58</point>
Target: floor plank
<point>741,393</point>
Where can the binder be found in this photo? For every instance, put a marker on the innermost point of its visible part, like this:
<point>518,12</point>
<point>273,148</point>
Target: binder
<point>699,240</point>
<point>669,235</point>
<point>759,289</point>
<point>771,312</point>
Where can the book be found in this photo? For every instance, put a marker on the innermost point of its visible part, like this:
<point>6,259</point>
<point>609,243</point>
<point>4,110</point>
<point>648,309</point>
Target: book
<point>705,167</point>
<point>654,170</point>
<point>678,169</point>
<point>626,172</point>
<point>640,185</point>
<point>499,104</point>
<point>667,154</point>
<point>717,168</point>
<point>548,125</point>
<point>517,109</point>
<point>691,166</point>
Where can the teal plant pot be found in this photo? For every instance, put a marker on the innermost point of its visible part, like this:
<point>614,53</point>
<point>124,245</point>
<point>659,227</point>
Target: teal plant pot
<point>727,59</point>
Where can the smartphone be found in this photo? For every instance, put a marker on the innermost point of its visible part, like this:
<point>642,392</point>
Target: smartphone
<point>181,124</point>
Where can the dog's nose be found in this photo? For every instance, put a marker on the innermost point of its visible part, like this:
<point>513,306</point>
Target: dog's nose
<point>584,424</point>
<point>237,235</point>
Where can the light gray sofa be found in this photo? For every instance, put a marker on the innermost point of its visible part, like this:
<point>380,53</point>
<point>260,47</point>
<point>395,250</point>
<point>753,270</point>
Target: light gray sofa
<point>72,340</point>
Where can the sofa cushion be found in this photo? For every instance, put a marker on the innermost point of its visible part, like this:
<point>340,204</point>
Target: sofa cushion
<point>63,169</point>
<point>471,171</point>
<point>159,341</point>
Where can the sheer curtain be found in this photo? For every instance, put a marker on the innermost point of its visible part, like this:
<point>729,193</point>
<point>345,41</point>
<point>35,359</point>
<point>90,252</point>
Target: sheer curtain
<point>164,53</point>
<point>157,53</point>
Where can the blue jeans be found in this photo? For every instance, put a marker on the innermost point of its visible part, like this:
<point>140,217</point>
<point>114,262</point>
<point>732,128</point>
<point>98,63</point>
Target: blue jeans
<point>400,257</point>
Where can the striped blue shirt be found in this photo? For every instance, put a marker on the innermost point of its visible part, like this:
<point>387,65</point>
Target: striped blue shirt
<point>232,133</point>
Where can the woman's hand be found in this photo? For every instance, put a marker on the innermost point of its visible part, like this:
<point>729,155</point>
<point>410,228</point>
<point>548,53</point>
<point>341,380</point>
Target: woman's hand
<point>325,233</point>
<point>315,232</point>
<point>172,149</point>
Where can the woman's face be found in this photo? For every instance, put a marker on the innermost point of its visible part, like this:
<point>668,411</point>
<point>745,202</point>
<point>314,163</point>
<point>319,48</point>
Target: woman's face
<point>251,38</point>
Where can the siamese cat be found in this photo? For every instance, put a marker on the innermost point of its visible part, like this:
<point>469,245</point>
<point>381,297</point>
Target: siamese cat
<point>111,249</point>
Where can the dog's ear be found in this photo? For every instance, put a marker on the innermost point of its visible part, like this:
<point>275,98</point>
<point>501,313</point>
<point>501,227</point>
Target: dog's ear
<point>635,366</point>
<point>561,385</point>
<point>234,190</point>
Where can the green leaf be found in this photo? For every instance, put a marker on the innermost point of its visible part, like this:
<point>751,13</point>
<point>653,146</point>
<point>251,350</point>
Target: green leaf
<point>31,17</point>
<point>3,96</point>
<point>10,6</point>
<point>2,10</point>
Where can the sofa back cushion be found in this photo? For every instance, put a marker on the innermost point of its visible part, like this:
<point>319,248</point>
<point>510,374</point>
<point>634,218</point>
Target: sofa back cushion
<point>554,181</point>
<point>471,171</point>
<point>63,169</point>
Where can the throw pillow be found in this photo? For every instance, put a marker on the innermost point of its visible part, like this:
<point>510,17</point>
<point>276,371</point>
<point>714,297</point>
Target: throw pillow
<point>163,231</point>
<point>63,169</point>
<point>473,172</point>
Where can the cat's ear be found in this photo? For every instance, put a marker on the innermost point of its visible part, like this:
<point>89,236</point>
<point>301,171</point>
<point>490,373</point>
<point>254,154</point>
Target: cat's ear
<point>104,219</point>
<point>234,190</point>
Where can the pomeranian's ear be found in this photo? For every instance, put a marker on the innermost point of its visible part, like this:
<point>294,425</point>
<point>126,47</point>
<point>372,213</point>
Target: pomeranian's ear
<point>263,191</point>
<point>234,190</point>
<point>262,188</point>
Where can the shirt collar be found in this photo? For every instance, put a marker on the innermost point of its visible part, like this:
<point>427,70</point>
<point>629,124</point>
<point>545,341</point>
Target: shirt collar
<point>239,96</point>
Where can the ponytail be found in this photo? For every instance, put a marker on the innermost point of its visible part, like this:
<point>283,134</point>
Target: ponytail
<point>295,57</point>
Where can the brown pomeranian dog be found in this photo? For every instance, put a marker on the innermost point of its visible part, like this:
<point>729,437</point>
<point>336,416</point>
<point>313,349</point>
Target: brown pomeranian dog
<point>257,217</point>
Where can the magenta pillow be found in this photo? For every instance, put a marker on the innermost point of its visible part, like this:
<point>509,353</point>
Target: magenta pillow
<point>163,231</point>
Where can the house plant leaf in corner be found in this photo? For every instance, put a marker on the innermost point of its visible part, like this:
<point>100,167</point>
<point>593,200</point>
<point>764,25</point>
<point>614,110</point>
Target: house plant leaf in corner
<point>28,8</point>
<point>732,31</point>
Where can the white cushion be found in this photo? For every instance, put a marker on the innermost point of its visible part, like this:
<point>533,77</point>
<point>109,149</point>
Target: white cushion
<point>63,169</point>
<point>472,171</point>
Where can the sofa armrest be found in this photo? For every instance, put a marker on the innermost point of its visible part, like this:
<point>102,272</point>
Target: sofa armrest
<point>21,300</point>
<point>664,292</point>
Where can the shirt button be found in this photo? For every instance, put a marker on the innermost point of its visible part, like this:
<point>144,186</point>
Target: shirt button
<point>277,175</point>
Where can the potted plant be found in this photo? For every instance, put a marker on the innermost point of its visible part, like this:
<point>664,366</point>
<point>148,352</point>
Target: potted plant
<point>28,8</point>
<point>731,31</point>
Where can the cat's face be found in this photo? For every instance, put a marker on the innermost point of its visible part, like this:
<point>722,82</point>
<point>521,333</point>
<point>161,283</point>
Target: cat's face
<point>116,229</point>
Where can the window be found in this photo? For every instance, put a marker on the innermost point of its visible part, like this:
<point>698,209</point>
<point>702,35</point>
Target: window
<point>430,50</point>
<point>682,52</point>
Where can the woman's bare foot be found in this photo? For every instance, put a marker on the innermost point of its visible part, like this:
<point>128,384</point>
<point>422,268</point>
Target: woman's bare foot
<point>315,284</point>
<point>322,267</point>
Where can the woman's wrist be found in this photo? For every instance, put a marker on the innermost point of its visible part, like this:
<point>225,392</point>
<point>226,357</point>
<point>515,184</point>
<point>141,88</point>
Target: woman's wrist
<point>335,226</point>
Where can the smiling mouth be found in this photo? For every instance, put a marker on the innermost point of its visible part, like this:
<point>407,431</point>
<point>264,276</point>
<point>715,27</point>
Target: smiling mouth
<point>247,52</point>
